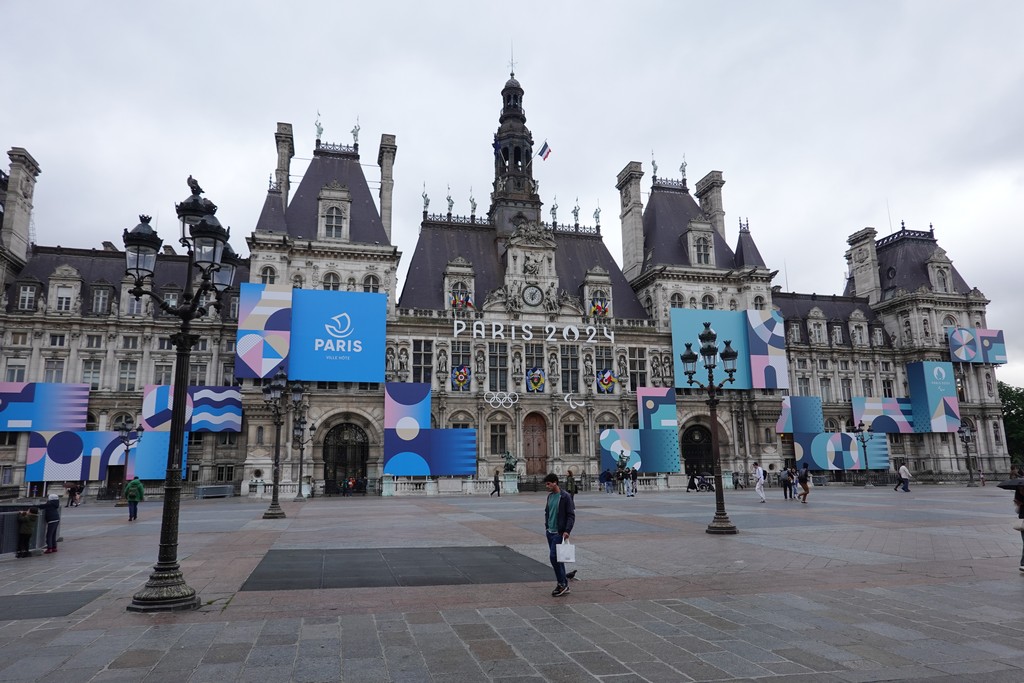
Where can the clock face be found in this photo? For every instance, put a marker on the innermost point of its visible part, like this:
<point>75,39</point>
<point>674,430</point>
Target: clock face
<point>532,295</point>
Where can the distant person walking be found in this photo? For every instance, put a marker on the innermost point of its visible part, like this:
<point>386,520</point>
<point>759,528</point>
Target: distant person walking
<point>785,484</point>
<point>1018,503</point>
<point>497,484</point>
<point>135,493</point>
<point>759,481</point>
<point>793,480</point>
<point>570,485</point>
<point>633,475</point>
<point>51,513</point>
<point>804,479</point>
<point>904,481</point>
<point>559,518</point>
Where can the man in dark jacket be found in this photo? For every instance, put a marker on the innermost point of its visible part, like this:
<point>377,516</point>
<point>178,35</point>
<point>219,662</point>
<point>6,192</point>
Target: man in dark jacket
<point>559,517</point>
<point>51,513</point>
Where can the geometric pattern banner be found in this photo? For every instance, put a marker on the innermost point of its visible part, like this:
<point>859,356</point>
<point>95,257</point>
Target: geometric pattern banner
<point>262,342</point>
<point>42,407</point>
<point>207,409</point>
<point>657,408</point>
<point>840,451</point>
<point>411,447</point>
<point>647,450</point>
<point>968,345</point>
<point>933,397</point>
<point>85,456</point>
<point>769,368</point>
<point>801,414</point>
<point>884,415</point>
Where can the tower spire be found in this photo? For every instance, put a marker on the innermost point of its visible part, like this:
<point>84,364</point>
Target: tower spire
<point>515,190</point>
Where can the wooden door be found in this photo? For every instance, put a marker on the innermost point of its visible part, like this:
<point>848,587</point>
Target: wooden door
<point>535,444</point>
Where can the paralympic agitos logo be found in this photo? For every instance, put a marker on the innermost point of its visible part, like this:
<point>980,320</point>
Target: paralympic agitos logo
<point>339,329</point>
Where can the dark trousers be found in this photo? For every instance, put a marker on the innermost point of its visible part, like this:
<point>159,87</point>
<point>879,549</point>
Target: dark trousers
<point>133,509</point>
<point>559,567</point>
<point>24,540</point>
<point>497,489</point>
<point>787,490</point>
<point>51,534</point>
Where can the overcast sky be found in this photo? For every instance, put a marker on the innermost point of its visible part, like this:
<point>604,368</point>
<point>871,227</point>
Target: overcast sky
<point>824,117</point>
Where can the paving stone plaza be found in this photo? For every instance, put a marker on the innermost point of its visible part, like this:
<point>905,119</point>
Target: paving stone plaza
<point>858,585</point>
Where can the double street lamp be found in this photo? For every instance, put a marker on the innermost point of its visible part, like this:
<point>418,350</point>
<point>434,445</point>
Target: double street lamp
<point>206,243</point>
<point>864,435</point>
<point>299,425</point>
<point>966,436</point>
<point>709,355</point>
<point>272,395</point>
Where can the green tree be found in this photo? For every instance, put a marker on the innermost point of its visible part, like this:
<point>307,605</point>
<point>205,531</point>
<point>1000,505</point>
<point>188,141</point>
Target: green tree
<point>1013,420</point>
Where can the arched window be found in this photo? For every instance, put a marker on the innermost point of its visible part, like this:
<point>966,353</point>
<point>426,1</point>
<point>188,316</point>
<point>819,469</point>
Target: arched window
<point>90,422</point>
<point>331,282</point>
<point>268,275</point>
<point>943,281</point>
<point>371,283</point>
<point>677,301</point>
<point>121,419</point>
<point>333,222</point>
<point>831,426</point>
<point>949,321</point>
<point>707,302</point>
<point>702,247</point>
<point>758,303</point>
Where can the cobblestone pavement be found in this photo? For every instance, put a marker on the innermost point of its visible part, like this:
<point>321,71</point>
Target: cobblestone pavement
<point>857,585</point>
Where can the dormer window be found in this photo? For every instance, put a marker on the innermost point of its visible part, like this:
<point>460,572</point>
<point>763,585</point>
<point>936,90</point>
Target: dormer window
<point>335,204</point>
<point>702,251</point>
<point>64,298</point>
<point>371,283</point>
<point>101,301</point>
<point>268,275</point>
<point>943,281</point>
<point>333,223</point>
<point>27,298</point>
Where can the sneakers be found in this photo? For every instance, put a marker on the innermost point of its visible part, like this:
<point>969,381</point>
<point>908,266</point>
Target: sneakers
<point>572,575</point>
<point>560,591</point>
<point>1021,568</point>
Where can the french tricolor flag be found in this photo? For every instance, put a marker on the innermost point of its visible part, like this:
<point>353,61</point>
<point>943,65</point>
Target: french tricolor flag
<point>545,151</point>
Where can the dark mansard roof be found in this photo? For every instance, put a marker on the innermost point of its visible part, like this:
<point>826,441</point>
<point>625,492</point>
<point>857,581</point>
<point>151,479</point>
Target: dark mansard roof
<point>903,264</point>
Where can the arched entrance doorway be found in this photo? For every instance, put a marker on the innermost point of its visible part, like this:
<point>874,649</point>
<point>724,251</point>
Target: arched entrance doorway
<point>696,446</point>
<point>535,444</point>
<point>346,451</point>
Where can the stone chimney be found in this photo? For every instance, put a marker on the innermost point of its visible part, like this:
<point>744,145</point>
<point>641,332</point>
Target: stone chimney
<point>386,161</point>
<point>862,258</point>
<point>285,152</point>
<point>632,217</point>
<point>21,186</point>
<point>709,192</point>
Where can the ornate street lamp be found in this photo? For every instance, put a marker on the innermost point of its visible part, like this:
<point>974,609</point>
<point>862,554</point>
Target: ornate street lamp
<point>299,433</point>
<point>129,436</point>
<point>966,436</point>
<point>205,242</point>
<point>272,395</point>
<point>709,354</point>
<point>864,436</point>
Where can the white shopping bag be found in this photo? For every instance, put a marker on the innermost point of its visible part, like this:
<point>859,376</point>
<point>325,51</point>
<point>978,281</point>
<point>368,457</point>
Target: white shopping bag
<point>565,552</point>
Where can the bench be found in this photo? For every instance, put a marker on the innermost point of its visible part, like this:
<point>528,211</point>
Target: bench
<point>215,491</point>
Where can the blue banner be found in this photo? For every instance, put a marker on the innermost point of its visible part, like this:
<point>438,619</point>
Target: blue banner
<point>337,336</point>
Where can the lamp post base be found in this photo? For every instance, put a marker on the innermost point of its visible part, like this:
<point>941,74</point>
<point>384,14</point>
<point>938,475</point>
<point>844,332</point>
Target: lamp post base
<point>274,512</point>
<point>721,525</point>
<point>299,498</point>
<point>166,591</point>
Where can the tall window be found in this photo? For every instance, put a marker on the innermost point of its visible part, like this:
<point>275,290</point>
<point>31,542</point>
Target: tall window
<point>534,356</point>
<point>197,374</point>
<point>758,303</point>
<point>461,356</point>
<point>803,385</point>
<point>27,298</point>
<point>868,387</point>
<point>702,247</point>
<point>227,375</point>
<point>15,370</point>
<point>837,335</point>
<point>135,306</point>
<point>571,438</point>
<point>888,388</point>
<point>707,302</point>
<point>817,333</point>
<point>825,385</point>
<point>171,299</point>
<point>130,341</point>
<point>64,299</point>
<point>422,360</point>
<point>332,282</point>
<point>53,370</point>
<point>268,275</point>
<point>101,301</point>
<point>371,283</point>
<point>846,385</point>
<point>497,366</point>
<point>499,439</point>
<point>93,341</point>
<point>677,301</point>
<point>637,367</point>
<point>164,344</point>
<point>570,367</point>
<point>603,358</point>
<point>91,372</point>
<point>333,222</point>
<point>127,373</point>
<point>57,340</point>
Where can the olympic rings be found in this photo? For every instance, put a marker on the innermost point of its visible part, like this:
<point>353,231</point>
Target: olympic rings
<point>501,399</point>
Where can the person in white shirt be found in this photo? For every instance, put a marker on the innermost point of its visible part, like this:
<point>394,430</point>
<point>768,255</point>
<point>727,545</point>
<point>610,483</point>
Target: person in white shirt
<point>759,481</point>
<point>904,478</point>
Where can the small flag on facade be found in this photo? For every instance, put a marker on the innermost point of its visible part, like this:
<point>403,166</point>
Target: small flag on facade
<point>545,151</point>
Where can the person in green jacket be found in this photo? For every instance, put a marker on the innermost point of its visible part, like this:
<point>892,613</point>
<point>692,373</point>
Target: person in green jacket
<point>135,493</point>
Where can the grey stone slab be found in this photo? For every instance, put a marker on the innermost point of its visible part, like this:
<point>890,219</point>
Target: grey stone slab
<point>215,673</point>
<point>45,605</point>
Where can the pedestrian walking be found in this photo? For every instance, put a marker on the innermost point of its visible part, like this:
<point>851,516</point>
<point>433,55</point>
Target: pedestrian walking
<point>632,481</point>
<point>559,518</point>
<point>570,485</point>
<point>28,519</point>
<point>1018,503</point>
<point>51,513</point>
<point>793,479</point>
<point>785,484</point>
<point>620,481</point>
<point>904,476</point>
<point>497,484</point>
<point>804,478</point>
<point>759,481</point>
<point>134,492</point>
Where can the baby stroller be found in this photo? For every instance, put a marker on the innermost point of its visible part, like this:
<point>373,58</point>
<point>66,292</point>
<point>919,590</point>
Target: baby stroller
<point>705,482</point>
